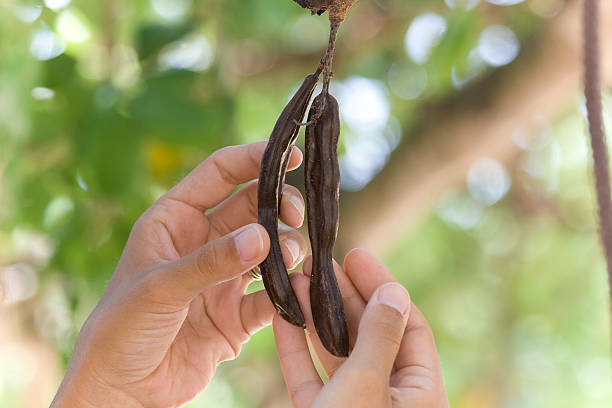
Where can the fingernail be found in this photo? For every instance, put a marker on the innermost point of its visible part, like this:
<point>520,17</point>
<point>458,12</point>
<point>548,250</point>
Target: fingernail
<point>294,250</point>
<point>298,204</point>
<point>249,243</point>
<point>396,296</point>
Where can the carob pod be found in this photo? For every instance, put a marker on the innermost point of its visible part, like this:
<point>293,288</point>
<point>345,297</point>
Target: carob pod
<point>271,179</point>
<point>322,175</point>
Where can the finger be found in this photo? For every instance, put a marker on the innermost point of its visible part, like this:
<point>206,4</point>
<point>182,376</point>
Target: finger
<point>353,309</point>
<point>366,272</point>
<point>241,209</point>
<point>418,355</point>
<point>418,348</point>
<point>294,246</point>
<point>381,330</point>
<point>218,261</point>
<point>216,177</point>
<point>303,381</point>
<point>301,287</point>
<point>256,312</point>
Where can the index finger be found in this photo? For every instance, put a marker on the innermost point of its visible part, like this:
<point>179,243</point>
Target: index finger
<point>217,176</point>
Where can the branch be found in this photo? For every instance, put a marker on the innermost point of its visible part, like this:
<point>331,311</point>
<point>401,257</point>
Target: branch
<point>544,81</point>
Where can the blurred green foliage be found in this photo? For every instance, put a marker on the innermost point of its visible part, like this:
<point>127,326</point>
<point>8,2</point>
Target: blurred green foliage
<point>104,106</point>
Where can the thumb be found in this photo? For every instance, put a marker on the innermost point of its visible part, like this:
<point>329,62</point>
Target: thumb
<point>381,329</point>
<point>218,261</point>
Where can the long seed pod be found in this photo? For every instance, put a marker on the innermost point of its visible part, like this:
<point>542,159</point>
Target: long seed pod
<point>271,179</point>
<point>322,194</point>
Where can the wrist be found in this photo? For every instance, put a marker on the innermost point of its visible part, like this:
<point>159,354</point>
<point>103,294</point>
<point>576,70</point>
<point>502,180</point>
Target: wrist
<point>88,393</point>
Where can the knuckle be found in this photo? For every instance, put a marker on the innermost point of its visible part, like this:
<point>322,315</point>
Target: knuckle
<point>388,327</point>
<point>286,233</point>
<point>218,160</point>
<point>368,377</point>
<point>303,388</point>
<point>207,260</point>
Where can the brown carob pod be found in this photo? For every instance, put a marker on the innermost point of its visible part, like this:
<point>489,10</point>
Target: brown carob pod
<point>271,179</point>
<point>322,175</point>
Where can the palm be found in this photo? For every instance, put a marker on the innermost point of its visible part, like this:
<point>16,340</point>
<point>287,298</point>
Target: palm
<point>416,379</point>
<point>185,359</point>
<point>168,348</point>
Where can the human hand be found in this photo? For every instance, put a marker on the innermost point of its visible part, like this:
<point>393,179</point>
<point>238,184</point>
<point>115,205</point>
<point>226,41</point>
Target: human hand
<point>176,306</point>
<point>393,363</point>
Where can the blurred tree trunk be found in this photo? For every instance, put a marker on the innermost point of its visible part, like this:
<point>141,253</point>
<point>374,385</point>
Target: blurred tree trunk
<point>544,81</point>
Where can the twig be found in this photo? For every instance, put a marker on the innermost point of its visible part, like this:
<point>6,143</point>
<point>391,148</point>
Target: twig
<point>592,93</point>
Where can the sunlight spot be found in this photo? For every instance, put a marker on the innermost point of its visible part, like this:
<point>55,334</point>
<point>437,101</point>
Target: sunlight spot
<point>81,183</point>
<point>488,181</point>
<point>407,80</point>
<point>193,52</point>
<point>57,209</point>
<point>45,45</point>
<point>171,9</point>
<point>498,45</point>
<point>364,103</point>
<point>546,8</point>
<point>461,211</point>
<point>56,5</point>
<point>42,94</point>
<point>72,28</point>
<point>464,4</point>
<point>366,155</point>
<point>27,13</point>
<point>537,139</point>
<point>424,33</point>
<point>474,66</point>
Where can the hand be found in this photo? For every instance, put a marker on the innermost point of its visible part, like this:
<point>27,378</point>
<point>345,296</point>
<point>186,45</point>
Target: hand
<point>393,362</point>
<point>175,307</point>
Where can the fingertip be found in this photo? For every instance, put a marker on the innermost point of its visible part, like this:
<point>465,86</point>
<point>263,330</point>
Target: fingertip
<point>355,255</point>
<point>292,207</point>
<point>296,158</point>
<point>307,266</point>
<point>257,149</point>
<point>252,243</point>
<point>395,296</point>
<point>299,282</point>
<point>292,251</point>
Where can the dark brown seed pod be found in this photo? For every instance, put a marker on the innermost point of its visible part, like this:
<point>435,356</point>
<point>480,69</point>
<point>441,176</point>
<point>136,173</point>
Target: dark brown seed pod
<point>271,179</point>
<point>322,194</point>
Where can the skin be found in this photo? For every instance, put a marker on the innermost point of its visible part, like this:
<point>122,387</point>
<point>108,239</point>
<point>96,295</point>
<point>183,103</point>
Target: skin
<point>393,362</point>
<point>175,307</point>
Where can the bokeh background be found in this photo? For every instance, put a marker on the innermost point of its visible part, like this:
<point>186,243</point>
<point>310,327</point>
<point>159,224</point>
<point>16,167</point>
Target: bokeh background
<point>464,158</point>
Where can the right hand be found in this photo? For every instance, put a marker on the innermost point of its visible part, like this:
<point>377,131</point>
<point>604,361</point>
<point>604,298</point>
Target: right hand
<point>393,362</point>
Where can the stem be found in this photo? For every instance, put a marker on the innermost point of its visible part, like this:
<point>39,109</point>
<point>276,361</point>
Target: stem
<point>592,93</point>
<point>328,59</point>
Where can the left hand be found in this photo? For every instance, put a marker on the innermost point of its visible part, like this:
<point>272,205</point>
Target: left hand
<point>393,360</point>
<point>176,306</point>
